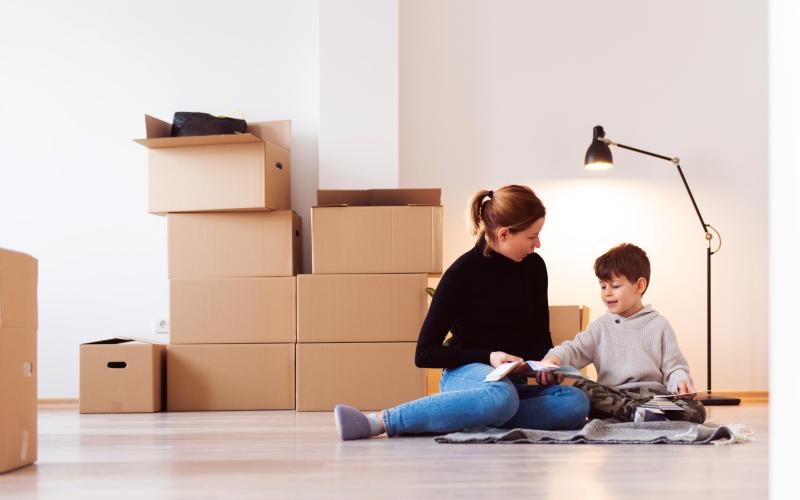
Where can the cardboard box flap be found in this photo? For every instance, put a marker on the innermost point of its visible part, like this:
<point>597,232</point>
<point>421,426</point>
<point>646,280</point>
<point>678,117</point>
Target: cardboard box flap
<point>158,136</point>
<point>121,340</point>
<point>378,197</point>
<point>278,132</point>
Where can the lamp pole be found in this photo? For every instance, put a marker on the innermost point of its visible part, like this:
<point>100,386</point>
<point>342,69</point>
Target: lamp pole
<point>603,155</point>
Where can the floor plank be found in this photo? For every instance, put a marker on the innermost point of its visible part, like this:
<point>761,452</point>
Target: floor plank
<point>298,455</point>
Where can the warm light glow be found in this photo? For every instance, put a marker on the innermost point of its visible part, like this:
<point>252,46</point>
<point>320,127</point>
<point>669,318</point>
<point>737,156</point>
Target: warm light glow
<point>598,166</point>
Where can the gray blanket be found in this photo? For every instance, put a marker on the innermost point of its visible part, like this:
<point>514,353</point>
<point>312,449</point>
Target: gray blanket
<point>609,432</point>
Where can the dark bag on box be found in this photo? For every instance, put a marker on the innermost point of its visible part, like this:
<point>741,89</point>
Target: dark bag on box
<point>186,123</point>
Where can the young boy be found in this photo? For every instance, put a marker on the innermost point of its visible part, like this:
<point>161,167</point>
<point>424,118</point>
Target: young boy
<point>633,347</point>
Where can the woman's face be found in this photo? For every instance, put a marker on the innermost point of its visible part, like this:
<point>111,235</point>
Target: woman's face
<point>516,246</point>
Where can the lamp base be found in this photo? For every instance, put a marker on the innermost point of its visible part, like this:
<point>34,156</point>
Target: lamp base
<point>710,399</point>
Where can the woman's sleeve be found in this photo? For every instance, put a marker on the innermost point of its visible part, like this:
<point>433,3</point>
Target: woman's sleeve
<point>431,353</point>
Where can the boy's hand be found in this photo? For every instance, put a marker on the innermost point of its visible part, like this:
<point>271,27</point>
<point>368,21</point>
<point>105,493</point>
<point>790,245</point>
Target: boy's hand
<point>549,378</point>
<point>552,359</point>
<point>686,387</point>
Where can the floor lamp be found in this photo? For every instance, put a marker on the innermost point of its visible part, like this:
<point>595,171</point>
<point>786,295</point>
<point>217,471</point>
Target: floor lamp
<point>598,157</point>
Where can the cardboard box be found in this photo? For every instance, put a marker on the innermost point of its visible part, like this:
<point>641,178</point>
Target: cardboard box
<point>18,397</point>
<point>230,377</point>
<point>234,244</point>
<point>360,307</point>
<point>122,376</point>
<point>232,310</point>
<point>219,172</point>
<point>368,376</point>
<point>18,392</point>
<point>18,282</point>
<point>565,323</point>
<point>377,231</point>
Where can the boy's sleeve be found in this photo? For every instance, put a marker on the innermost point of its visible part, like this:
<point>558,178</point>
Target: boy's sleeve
<point>579,351</point>
<point>674,366</point>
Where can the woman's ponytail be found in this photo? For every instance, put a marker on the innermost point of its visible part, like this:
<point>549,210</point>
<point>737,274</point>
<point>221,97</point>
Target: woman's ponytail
<point>476,210</point>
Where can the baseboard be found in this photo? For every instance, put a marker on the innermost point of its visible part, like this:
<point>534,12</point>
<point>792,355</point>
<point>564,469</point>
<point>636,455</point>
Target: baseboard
<point>58,402</point>
<point>747,397</point>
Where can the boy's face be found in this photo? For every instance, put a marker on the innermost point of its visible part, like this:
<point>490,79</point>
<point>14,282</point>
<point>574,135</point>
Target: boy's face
<point>621,296</point>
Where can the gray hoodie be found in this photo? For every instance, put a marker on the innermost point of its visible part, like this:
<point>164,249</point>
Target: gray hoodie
<point>629,353</point>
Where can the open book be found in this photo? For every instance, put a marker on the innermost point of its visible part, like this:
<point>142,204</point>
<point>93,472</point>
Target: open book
<point>533,367</point>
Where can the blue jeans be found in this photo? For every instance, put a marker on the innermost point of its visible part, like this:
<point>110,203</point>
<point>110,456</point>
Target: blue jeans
<point>467,401</point>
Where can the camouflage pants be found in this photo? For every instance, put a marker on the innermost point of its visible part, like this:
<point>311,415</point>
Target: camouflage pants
<point>605,402</point>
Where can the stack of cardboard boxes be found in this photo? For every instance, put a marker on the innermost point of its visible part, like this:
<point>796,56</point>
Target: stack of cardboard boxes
<point>18,329</point>
<point>234,250</point>
<point>360,312</point>
<point>233,253</point>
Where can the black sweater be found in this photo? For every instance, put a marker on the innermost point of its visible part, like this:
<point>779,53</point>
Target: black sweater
<point>489,304</point>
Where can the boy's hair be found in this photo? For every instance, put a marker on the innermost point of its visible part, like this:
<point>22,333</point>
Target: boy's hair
<point>626,260</point>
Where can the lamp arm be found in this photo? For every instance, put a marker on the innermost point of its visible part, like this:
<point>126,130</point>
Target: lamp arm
<point>676,162</point>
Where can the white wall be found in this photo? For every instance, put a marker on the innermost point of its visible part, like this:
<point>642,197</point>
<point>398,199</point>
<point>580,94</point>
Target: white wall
<point>358,108</point>
<point>75,82</point>
<point>508,91</point>
<point>784,237</point>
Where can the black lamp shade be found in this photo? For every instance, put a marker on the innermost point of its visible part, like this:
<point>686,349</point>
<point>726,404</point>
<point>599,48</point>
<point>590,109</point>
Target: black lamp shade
<point>598,156</point>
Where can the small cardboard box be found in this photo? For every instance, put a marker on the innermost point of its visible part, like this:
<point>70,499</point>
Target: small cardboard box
<point>204,377</point>
<point>234,244</point>
<point>122,376</point>
<point>18,397</point>
<point>360,307</point>
<point>377,231</point>
<point>565,323</point>
<point>219,172</point>
<point>18,283</point>
<point>232,310</point>
<point>369,376</point>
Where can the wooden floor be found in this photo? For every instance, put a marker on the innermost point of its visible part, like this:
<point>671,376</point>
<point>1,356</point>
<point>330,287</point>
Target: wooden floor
<point>298,455</point>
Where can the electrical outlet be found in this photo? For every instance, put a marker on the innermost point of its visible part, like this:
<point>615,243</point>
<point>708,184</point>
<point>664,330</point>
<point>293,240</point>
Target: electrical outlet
<point>161,325</point>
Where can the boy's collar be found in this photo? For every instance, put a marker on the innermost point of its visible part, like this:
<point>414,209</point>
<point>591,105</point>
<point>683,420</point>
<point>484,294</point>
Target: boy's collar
<point>621,319</point>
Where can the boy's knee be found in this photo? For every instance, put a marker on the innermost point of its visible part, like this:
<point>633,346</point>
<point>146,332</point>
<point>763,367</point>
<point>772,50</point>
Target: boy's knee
<point>696,413</point>
<point>504,402</point>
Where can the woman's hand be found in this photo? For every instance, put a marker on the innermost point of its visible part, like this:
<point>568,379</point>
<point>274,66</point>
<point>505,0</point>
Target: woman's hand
<point>686,387</point>
<point>497,358</point>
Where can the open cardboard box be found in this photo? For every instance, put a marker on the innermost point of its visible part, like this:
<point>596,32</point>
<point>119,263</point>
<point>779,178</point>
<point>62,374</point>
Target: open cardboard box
<point>18,363</point>
<point>249,171</point>
<point>377,231</point>
<point>122,375</point>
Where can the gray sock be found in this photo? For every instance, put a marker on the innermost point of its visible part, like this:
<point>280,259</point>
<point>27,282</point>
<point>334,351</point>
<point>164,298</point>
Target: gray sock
<point>374,424</point>
<point>352,424</point>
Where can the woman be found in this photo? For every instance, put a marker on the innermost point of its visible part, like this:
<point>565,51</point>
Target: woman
<point>494,301</point>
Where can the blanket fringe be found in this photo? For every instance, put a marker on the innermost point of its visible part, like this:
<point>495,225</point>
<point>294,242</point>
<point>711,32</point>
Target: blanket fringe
<point>739,434</point>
